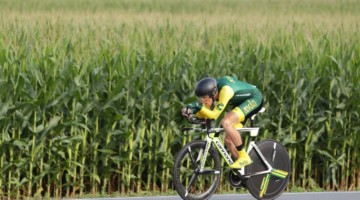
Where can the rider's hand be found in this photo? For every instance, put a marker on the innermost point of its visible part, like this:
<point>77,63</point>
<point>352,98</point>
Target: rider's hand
<point>191,109</point>
<point>186,112</point>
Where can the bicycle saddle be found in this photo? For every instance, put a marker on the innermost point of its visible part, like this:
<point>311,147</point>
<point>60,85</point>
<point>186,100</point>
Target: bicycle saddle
<point>254,115</point>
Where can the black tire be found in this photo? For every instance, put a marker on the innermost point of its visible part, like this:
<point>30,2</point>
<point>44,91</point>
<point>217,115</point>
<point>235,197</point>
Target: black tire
<point>204,185</point>
<point>281,161</point>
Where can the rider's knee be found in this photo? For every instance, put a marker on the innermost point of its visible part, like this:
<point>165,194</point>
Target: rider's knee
<point>226,122</point>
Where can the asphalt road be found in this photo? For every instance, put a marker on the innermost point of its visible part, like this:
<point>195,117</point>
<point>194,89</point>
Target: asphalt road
<point>284,196</point>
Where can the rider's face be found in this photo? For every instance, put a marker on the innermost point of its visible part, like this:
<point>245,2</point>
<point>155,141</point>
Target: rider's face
<point>206,100</point>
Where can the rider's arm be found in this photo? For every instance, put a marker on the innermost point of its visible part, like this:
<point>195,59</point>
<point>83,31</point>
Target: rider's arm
<point>225,94</point>
<point>196,107</point>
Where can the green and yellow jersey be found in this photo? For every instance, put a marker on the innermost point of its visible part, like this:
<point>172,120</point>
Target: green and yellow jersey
<point>244,98</point>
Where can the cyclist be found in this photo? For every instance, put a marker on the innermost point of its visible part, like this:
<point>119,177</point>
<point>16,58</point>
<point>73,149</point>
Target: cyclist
<point>245,100</point>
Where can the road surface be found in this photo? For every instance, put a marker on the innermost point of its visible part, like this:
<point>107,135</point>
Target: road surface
<point>284,196</point>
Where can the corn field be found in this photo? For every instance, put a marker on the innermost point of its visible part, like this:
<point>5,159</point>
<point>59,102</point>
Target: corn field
<point>92,91</point>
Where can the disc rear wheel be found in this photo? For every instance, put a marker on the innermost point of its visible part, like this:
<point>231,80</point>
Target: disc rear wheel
<point>277,156</point>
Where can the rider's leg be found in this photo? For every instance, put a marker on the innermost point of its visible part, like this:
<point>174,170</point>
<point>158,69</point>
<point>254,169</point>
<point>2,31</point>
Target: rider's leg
<point>247,108</point>
<point>237,150</point>
<point>230,145</point>
<point>232,136</point>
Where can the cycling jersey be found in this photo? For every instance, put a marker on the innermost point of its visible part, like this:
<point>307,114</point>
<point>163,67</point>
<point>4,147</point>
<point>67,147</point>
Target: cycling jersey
<point>242,97</point>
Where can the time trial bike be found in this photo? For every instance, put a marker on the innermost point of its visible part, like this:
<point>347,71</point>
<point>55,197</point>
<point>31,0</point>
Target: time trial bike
<point>197,166</point>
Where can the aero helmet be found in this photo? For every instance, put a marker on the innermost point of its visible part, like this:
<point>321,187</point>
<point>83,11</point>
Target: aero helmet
<point>206,86</point>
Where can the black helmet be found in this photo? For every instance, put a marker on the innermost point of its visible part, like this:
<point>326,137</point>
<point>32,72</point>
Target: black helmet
<point>206,86</point>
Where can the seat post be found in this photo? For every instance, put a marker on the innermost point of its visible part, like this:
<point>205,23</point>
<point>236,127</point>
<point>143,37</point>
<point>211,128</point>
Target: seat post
<point>252,122</point>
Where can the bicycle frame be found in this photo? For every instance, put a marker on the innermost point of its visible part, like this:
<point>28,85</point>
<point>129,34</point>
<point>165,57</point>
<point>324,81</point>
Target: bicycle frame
<point>212,138</point>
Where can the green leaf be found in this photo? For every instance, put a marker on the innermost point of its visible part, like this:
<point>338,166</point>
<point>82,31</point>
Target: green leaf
<point>320,120</point>
<point>38,129</point>
<point>61,153</point>
<point>325,153</point>
<point>20,144</point>
<point>107,151</point>
<point>341,106</point>
<point>52,124</point>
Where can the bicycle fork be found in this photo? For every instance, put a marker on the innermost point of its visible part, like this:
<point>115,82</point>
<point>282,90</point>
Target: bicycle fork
<point>203,158</point>
<point>206,152</point>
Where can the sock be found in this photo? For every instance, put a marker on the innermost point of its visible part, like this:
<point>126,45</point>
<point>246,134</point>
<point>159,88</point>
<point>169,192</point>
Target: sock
<point>240,147</point>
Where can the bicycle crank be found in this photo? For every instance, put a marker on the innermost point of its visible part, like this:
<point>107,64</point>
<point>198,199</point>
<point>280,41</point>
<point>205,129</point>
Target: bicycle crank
<point>236,181</point>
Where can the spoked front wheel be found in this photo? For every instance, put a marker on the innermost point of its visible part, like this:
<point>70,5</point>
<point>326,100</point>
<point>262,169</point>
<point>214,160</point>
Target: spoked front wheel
<point>189,181</point>
<point>271,185</point>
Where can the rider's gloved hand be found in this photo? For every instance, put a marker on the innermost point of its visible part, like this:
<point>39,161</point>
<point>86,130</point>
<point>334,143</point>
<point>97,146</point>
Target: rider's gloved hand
<point>186,112</point>
<point>191,109</point>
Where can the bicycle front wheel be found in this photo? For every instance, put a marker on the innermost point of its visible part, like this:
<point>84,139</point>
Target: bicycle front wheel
<point>189,181</point>
<point>277,156</point>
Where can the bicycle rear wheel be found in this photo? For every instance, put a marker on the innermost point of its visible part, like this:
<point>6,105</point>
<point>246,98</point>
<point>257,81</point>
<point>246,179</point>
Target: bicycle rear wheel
<point>189,182</point>
<point>277,156</point>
